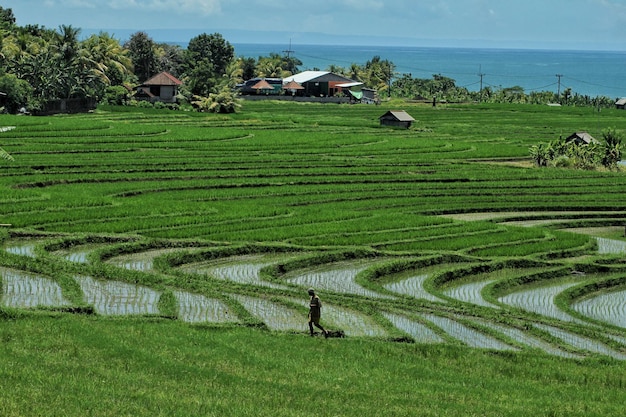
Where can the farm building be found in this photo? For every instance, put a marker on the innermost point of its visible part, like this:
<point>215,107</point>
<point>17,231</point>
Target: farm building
<point>396,118</point>
<point>162,87</point>
<point>323,84</point>
<point>581,138</point>
<point>621,103</point>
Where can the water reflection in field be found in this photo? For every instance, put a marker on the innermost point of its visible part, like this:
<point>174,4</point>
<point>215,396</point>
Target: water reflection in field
<point>609,308</point>
<point>244,269</point>
<point>118,298</point>
<point>24,290</point>
<point>416,330</point>
<point>195,308</point>
<point>337,277</point>
<point>540,300</point>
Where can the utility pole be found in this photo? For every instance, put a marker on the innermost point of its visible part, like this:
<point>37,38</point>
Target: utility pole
<point>480,74</point>
<point>289,51</point>
<point>558,92</point>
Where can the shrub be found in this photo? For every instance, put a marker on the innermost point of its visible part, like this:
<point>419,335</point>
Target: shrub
<point>18,93</point>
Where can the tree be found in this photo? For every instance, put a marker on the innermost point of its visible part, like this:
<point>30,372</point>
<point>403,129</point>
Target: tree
<point>170,58</point>
<point>18,92</point>
<point>206,60</point>
<point>379,74</point>
<point>612,148</point>
<point>111,62</point>
<point>142,53</point>
<point>209,48</point>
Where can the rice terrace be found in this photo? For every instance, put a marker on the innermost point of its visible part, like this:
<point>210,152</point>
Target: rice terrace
<point>156,262</point>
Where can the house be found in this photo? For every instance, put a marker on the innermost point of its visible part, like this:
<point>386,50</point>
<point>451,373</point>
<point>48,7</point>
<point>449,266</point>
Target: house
<point>162,87</point>
<point>580,138</point>
<point>323,84</point>
<point>621,103</point>
<point>396,118</point>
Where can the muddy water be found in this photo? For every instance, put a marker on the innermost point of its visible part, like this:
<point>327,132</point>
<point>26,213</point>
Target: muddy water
<point>24,290</point>
<point>118,298</point>
<point>416,330</point>
<point>337,277</point>
<point>195,308</point>
<point>609,308</point>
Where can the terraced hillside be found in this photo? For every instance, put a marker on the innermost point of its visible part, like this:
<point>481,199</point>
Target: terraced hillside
<point>439,234</point>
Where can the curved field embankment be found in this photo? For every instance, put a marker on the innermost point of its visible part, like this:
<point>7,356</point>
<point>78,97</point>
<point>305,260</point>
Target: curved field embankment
<point>227,220</point>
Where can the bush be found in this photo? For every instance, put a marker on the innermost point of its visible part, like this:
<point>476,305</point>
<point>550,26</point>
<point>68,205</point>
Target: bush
<point>18,93</point>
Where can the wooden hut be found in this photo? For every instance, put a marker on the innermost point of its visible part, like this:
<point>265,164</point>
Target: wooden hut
<point>162,87</point>
<point>581,138</point>
<point>396,118</point>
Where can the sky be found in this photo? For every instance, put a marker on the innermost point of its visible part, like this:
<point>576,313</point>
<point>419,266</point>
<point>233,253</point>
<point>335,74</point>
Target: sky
<point>533,24</point>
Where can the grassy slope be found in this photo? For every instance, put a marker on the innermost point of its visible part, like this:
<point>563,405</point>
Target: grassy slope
<point>71,366</point>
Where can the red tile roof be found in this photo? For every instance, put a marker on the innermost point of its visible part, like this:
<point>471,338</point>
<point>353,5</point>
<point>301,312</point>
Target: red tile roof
<point>163,78</point>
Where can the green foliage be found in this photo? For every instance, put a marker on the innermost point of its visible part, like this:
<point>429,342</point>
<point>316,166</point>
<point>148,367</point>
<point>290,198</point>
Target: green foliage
<point>612,148</point>
<point>223,102</point>
<point>18,92</point>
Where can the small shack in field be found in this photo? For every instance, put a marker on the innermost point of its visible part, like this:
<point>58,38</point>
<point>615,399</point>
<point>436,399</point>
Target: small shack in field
<point>162,87</point>
<point>396,118</point>
<point>621,103</point>
<point>581,138</point>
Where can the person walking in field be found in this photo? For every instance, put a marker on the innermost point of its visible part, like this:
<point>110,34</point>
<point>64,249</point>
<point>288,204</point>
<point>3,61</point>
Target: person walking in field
<point>315,313</point>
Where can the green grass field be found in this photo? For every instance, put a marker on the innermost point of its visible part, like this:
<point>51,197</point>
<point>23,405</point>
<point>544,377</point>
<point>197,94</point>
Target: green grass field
<point>156,263</point>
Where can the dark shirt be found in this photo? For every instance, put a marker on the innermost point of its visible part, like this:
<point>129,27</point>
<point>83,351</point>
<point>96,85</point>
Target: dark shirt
<point>316,306</point>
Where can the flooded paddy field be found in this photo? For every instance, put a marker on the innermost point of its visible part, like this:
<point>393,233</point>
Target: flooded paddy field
<point>114,298</point>
<point>243,269</point>
<point>608,307</point>
<point>25,290</point>
<point>540,300</point>
<point>141,261</point>
<point>196,308</point>
<point>410,195</point>
<point>336,277</point>
<point>21,247</point>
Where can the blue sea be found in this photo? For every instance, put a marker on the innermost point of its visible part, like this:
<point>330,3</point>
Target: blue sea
<point>592,73</point>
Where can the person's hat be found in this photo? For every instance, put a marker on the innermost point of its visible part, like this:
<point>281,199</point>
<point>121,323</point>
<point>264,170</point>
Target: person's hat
<point>311,291</point>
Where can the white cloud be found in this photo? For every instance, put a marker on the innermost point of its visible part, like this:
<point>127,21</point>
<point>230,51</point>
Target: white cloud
<point>203,7</point>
